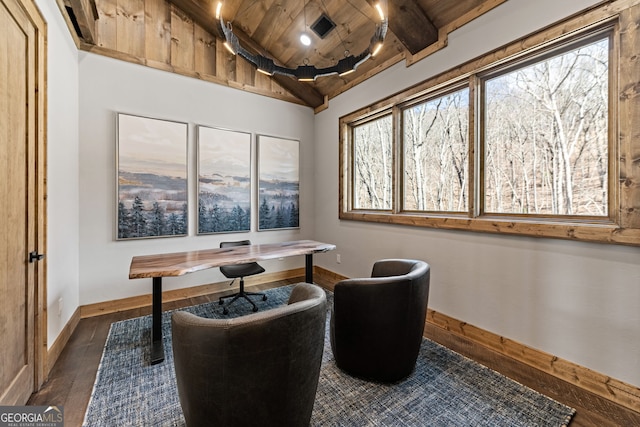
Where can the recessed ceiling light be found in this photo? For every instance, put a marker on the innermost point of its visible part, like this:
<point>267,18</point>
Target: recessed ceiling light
<point>305,39</point>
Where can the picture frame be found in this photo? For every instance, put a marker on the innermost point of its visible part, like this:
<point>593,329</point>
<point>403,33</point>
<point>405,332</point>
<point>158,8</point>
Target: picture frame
<point>278,183</point>
<point>224,180</point>
<point>152,178</point>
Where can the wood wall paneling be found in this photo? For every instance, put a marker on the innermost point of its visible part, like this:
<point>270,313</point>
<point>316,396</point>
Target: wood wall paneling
<point>225,62</point>
<point>157,40</point>
<point>182,37</point>
<point>130,29</point>
<point>106,26</point>
<point>157,33</point>
<point>245,72</point>
<point>205,52</point>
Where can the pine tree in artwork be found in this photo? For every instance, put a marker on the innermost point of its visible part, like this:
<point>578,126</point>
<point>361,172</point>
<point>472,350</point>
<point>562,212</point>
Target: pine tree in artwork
<point>264,215</point>
<point>203,221</point>
<point>237,219</point>
<point>246,220</point>
<point>279,221</point>
<point>184,220</point>
<point>157,225</point>
<point>294,218</point>
<point>124,221</point>
<point>173,224</point>
<point>138,221</point>
<point>215,218</point>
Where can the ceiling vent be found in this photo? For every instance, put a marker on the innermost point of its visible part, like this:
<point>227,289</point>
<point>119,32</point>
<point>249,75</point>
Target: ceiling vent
<point>323,26</point>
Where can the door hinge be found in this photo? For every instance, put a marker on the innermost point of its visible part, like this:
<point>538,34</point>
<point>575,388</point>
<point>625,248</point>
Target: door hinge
<point>35,256</point>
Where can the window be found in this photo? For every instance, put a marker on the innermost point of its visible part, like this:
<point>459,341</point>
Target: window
<point>546,135</point>
<point>372,164</point>
<point>539,141</point>
<point>436,146</point>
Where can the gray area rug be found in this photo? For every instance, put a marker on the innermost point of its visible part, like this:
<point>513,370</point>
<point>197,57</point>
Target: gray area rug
<point>446,389</point>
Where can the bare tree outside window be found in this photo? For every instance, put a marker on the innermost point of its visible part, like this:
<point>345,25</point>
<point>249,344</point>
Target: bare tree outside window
<point>546,133</point>
<point>436,147</point>
<point>373,164</point>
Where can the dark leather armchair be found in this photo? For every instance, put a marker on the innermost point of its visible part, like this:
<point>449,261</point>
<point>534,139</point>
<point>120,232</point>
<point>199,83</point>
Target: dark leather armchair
<point>240,271</point>
<point>377,324</point>
<point>261,369</point>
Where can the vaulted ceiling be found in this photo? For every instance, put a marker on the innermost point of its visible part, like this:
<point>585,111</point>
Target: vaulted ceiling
<point>270,28</point>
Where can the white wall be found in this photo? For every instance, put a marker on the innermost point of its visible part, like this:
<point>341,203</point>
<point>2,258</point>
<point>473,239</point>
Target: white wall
<point>108,86</point>
<point>577,301</point>
<point>63,203</point>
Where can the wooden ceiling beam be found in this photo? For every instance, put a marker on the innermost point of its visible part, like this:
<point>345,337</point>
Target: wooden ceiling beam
<point>410,24</point>
<point>86,14</point>
<point>201,15</point>
<point>205,17</point>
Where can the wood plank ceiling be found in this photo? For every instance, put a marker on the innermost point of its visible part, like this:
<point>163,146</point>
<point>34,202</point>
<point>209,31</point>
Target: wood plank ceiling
<point>184,36</point>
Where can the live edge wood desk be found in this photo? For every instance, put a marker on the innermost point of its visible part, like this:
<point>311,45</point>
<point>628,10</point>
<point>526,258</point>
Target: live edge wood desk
<point>181,263</point>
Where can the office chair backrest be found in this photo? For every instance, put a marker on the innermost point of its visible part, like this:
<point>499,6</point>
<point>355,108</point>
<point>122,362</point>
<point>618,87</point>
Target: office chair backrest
<point>240,270</point>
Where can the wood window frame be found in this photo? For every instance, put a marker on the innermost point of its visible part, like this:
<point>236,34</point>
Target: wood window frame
<point>621,226</point>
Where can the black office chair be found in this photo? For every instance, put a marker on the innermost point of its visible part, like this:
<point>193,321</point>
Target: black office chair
<point>241,271</point>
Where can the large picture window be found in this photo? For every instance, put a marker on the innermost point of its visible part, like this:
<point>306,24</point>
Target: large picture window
<point>546,135</point>
<point>538,138</point>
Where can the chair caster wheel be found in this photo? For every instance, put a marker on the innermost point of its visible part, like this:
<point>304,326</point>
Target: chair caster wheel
<point>255,309</point>
<point>264,298</point>
<point>225,311</point>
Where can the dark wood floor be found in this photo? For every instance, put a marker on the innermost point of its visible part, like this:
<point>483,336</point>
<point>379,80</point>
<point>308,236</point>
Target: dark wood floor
<point>71,379</point>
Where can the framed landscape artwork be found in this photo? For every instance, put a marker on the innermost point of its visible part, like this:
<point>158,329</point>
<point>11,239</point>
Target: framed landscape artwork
<point>279,183</point>
<point>224,180</point>
<point>152,177</point>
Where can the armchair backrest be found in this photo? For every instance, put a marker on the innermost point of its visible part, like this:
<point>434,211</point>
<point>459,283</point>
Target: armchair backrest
<point>382,315</point>
<point>398,267</point>
<point>262,368</point>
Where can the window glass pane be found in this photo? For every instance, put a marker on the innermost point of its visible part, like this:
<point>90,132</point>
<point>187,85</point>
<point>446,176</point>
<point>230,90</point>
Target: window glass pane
<point>436,150</point>
<point>372,165</point>
<point>546,132</point>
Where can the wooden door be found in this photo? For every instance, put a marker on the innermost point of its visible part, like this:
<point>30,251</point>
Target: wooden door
<point>21,200</point>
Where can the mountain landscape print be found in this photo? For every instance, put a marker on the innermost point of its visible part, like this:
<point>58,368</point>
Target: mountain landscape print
<point>279,183</point>
<point>152,178</point>
<point>224,181</point>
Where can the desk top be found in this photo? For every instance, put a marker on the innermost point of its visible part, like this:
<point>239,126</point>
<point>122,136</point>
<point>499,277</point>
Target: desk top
<point>181,263</point>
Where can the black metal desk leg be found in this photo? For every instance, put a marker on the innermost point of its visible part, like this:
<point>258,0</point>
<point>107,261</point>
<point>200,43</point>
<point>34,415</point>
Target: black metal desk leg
<point>308,268</point>
<point>157,346</point>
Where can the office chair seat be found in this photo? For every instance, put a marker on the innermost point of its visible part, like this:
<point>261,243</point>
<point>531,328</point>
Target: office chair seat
<point>240,271</point>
